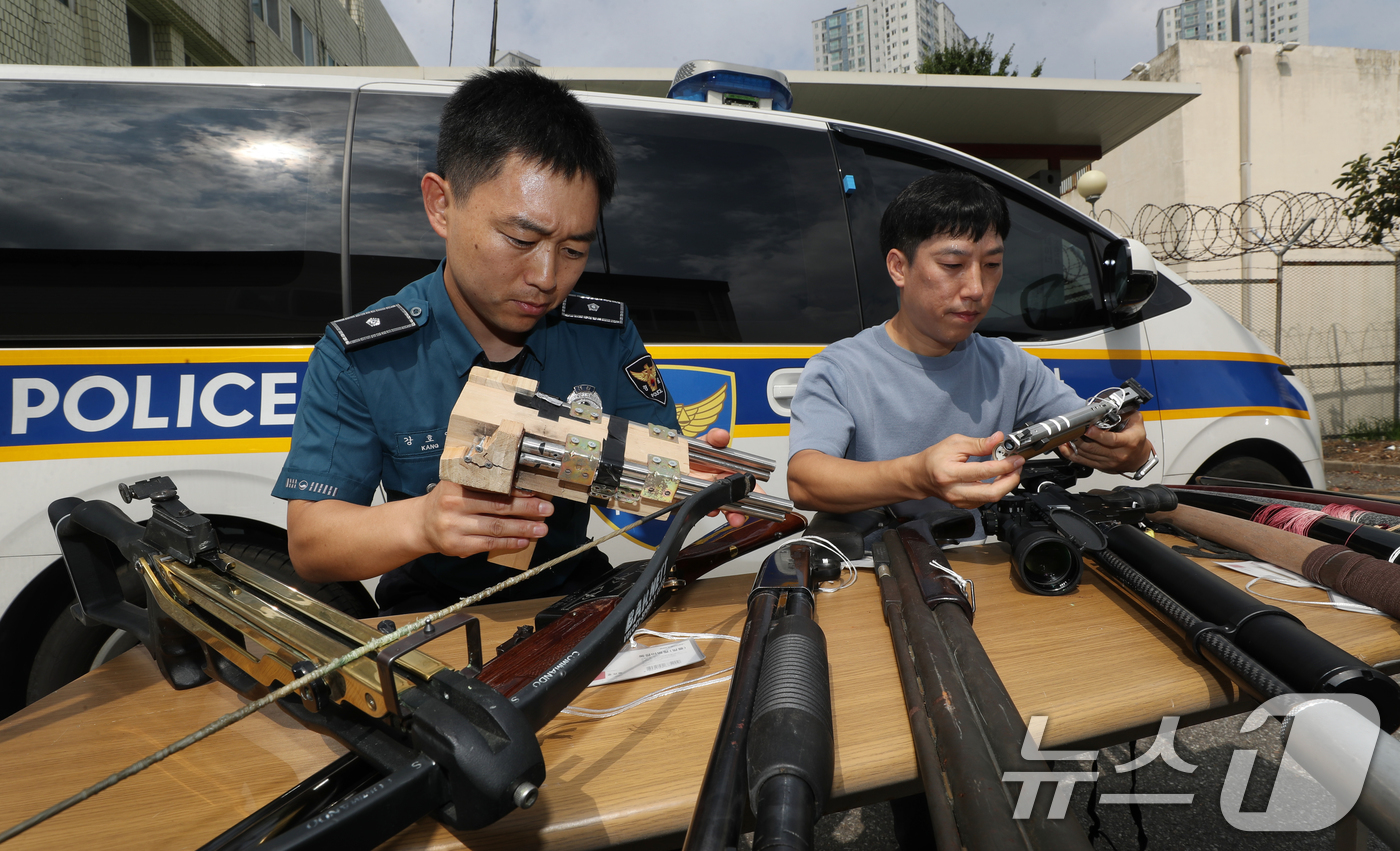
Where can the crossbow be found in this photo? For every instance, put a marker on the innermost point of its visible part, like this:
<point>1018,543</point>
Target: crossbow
<point>423,737</point>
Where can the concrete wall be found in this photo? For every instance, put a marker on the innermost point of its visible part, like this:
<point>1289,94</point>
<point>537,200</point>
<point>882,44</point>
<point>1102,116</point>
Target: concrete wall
<point>208,32</point>
<point>1311,110</point>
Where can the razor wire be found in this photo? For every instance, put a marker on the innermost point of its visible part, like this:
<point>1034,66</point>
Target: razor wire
<point>1193,232</point>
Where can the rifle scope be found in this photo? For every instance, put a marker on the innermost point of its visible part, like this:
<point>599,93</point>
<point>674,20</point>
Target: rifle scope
<point>1045,560</point>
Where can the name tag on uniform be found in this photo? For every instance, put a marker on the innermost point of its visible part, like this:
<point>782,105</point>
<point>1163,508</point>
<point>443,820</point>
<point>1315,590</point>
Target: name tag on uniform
<point>410,444</point>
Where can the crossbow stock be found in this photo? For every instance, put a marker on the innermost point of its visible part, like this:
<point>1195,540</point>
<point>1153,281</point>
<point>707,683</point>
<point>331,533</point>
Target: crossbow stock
<point>424,738</point>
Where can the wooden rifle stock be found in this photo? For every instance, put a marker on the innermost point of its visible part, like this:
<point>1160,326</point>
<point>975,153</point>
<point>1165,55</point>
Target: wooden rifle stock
<point>542,650</point>
<point>1370,580</point>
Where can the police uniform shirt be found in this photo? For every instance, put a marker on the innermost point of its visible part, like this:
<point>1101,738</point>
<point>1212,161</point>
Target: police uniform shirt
<point>379,412</point>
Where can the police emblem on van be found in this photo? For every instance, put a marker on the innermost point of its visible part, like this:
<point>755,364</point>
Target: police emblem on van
<point>647,379</point>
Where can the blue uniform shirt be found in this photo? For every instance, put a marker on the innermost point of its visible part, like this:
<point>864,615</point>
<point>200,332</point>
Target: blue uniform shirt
<point>380,414</point>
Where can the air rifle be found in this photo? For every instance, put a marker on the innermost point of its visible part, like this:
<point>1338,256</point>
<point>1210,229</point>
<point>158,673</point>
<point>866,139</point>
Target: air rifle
<point>967,731</point>
<point>424,738</point>
<point>504,434</point>
<point>1265,649</point>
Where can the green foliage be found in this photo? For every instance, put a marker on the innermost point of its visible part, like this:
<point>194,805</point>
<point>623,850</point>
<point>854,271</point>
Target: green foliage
<point>1373,191</point>
<point>1374,429</point>
<point>974,59</point>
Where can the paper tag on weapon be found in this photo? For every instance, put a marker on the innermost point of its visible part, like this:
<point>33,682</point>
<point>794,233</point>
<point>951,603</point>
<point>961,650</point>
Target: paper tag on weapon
<point>633,662</point>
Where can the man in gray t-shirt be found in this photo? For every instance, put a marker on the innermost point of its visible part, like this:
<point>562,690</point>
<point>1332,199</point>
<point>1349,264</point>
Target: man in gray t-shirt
<point>883,418</point>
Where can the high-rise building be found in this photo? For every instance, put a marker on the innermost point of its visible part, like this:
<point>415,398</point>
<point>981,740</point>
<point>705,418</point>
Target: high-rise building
<point>884,35</point>
<point>1277,21</point>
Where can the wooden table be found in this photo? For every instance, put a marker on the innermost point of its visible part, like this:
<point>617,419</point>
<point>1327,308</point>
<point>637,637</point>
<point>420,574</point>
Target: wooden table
<point>1100,668</point>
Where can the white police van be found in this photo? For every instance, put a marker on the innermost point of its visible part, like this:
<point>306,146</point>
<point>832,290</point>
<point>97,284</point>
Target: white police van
<point>173,242</point>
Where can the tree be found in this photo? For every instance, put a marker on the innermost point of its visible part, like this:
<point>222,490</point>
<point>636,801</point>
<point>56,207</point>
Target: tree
<point>1373,188</point>
<point>972,59</point>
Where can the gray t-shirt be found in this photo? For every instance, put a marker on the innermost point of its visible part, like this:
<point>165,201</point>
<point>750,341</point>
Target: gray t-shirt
<point>867,399</point>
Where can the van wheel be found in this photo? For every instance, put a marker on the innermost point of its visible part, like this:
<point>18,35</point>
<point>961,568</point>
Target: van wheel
<point>70,649</point>
<point>1246,468</point>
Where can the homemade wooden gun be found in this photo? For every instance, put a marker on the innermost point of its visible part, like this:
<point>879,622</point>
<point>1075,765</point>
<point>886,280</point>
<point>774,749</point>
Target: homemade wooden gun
<point>504,434</point>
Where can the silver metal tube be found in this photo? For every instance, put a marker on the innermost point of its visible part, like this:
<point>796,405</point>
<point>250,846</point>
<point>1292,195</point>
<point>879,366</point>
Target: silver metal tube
<point>543,455</point>
<point>733,459</point>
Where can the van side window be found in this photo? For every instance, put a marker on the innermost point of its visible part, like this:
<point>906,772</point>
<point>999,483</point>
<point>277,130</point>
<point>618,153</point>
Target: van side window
<point>726,230</point>
<point>155,213</point>
<point>1049,285</point>
<point>391,243</point>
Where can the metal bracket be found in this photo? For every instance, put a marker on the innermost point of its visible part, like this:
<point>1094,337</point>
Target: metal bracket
<point>663,478</point>
<point>663,433</point>
<point>582,455</point>
<point>386,657</point>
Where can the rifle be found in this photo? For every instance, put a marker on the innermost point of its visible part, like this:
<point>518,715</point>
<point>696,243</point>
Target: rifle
<point>776,728</point>
<point>424,738</point>
<point>1355,531</point>
<point>966,729</point>
<point>1266,650</point>
<point>1371,580</point>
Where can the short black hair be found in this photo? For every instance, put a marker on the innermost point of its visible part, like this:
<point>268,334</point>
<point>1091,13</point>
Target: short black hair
<point>950,203</point>
<point>517,111</point>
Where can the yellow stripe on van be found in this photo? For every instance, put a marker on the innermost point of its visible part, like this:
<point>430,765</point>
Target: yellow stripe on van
<point>1213,413</point>
<point>732,352</point>
<point>216,354</point>
<point>137,448</point>
<point>761,430</point>
<point>1159,354</point>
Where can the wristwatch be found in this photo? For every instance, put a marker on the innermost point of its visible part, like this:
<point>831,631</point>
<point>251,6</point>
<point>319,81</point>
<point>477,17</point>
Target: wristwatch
<point>1145,468</point>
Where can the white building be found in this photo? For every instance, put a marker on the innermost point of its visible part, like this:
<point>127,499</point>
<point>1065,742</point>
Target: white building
<point>887,36</point>
<point>1275,21</point>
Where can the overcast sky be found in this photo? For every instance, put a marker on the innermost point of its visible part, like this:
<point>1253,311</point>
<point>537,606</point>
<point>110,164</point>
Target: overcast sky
<point>1076,38</point>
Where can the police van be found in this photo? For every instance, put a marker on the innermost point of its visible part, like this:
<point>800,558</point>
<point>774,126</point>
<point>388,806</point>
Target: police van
<point>172,243</point>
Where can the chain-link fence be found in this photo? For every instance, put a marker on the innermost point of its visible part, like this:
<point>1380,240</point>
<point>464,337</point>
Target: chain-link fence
<point>1334,323</point>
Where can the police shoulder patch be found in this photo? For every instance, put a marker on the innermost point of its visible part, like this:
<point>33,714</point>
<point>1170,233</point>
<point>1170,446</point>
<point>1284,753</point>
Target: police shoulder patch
<point>597,311</point>
<point>374,326</point>
<point>644,376</point>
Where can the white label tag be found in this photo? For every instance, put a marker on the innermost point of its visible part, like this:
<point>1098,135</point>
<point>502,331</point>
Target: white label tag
<point>633,662</point>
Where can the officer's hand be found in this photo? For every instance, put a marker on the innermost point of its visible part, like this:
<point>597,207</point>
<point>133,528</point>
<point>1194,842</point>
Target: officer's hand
<point>719,438</point>
<point>1111,451</point>
<point>457,521</point>
<point>951,477</point>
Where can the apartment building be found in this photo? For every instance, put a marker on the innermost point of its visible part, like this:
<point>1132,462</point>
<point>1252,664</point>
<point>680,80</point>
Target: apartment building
<point>1276,21</point>
<point>888,36</point>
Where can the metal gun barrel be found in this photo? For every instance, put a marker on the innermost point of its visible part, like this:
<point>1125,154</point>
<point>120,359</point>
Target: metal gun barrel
<point>545,455</point>
<point>737,460</point>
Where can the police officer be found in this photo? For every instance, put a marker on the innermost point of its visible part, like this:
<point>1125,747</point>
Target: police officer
<point>523,172</point>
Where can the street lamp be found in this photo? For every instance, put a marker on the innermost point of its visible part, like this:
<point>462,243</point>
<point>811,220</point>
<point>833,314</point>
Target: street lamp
<point>1286,47</point>
<point>1092,184</point>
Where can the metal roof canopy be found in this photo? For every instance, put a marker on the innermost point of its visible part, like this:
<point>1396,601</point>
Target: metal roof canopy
<point>1022,124</point>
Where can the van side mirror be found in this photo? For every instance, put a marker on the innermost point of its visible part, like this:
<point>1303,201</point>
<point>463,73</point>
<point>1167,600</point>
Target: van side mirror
<point>1129,277</point>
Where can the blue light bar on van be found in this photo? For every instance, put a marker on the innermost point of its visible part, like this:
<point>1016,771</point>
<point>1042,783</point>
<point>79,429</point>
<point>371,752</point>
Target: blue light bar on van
<point>707,81</point>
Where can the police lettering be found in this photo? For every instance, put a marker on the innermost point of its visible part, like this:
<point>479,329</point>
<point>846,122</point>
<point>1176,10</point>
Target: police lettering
<point>150,402</point>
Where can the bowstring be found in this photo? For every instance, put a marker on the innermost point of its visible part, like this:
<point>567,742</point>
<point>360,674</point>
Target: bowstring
<point>303,681</point>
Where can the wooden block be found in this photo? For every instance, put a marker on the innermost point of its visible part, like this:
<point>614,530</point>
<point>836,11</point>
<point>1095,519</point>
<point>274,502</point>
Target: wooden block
<point>514,559</point>
<point>489,401</point>
<point>488,462</point>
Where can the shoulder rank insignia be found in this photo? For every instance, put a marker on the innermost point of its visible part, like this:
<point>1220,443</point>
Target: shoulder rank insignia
<point>644,375</point>
<point>598,311</point>
<point>374,326</point>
